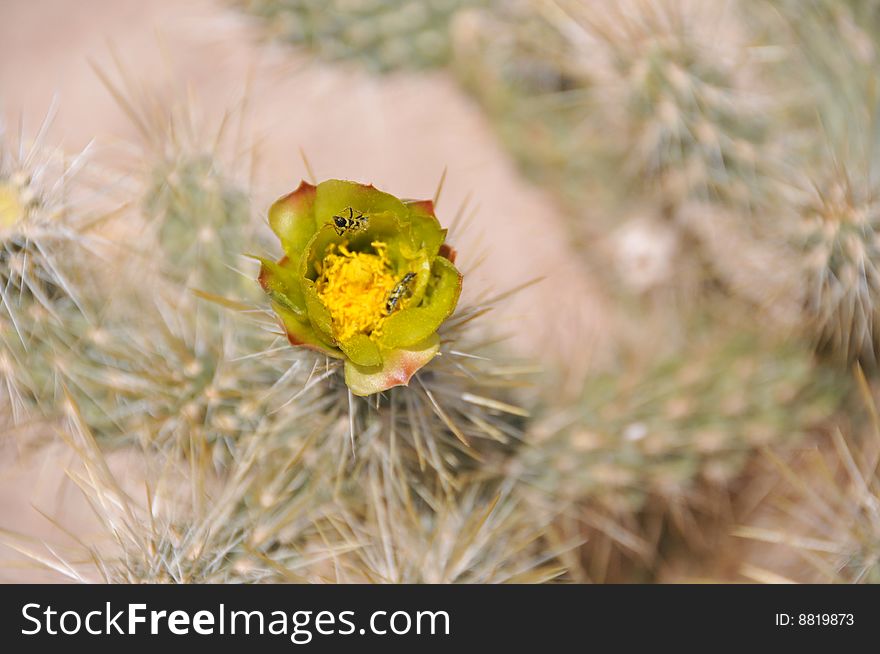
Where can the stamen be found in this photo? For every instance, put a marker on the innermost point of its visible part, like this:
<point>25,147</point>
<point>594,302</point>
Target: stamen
<point>354,287</point>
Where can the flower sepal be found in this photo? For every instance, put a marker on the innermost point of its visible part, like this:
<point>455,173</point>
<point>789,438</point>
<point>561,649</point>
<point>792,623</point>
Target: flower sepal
<point>397,368</point>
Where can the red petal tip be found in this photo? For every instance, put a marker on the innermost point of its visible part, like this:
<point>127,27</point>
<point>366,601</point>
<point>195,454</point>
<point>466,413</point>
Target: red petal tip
<point>425,205</point>
<point>448,252</point>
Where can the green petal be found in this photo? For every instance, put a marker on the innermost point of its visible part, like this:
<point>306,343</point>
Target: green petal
<point>302,334</point>
<point>361,350</point>
<point>319,315</point>
<point>334,196</point>
<point>397,368</point>
<point>315,251</point>
<point>427,232</point>
<point>282,285</point>
<point>414,324</point>
<point>292,218</point>
<point>422,268</point>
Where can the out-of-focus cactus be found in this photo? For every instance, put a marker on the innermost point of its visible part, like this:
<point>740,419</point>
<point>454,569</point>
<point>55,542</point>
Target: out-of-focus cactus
<point>49,264</point>
<point>831,59</point>
<point>168,369</point>
<point>821,523</point>
<point>519,67</point>
<point>689,425</point>
<point>384,35</point>
<point>670,93</point>
<point>663,110</point>
<point>841,244</point>
<point>193,188</point>
<point>679,89</point>
<point>201,215</point>
<point>830,201</point>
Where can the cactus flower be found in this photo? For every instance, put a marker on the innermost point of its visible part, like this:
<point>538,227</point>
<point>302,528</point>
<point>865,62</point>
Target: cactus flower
<point>365,278</point>
<point>10,205</point>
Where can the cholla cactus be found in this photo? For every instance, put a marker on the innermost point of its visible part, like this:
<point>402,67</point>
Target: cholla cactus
<point>265,429</point>
<point>192,184</point>
<point>687,426</point>
<point>841,243</point>
<point>48,267</point>
<point>671,93</point>
<point>202,216</point>
<point>482,535</point>
<point>659,108</point>
<point>368,283</point>
<point>185,523</point>
<point>522,70</point>
<point>40,228</point>
<point>679,88</point>
<point>825,514</point>
<point>182,379</point>
<point>384,35</point>
<point>167,369</point>
<point>269,517</point>
<point>833,188</point>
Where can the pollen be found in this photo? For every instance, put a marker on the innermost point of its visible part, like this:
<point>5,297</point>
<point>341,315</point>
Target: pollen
<point>354,287</point>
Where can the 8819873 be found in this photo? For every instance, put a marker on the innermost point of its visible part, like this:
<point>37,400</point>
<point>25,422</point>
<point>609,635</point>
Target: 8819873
<point>815,620</point>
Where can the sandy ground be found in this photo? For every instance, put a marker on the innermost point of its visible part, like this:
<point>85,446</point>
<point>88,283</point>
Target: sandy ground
<point>399,133</point>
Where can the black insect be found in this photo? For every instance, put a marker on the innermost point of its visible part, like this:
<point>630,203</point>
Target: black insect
<point>400,290</point>
<point>355,221</point>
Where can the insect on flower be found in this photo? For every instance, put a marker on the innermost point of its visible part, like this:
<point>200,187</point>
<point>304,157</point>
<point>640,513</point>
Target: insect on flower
<point>354,222</point>
<point>400,289</point>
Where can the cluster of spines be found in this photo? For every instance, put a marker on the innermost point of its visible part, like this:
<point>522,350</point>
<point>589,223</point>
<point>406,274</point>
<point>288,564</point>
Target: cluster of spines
<point>820,523</point>
<point>50,267</point>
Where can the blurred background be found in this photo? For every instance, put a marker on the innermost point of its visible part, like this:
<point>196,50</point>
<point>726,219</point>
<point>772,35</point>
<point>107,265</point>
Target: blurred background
<point>684,190</point>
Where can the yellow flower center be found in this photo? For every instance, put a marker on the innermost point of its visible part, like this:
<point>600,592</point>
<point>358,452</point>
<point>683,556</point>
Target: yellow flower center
<point>354,286</point>
<point>10,206</point>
